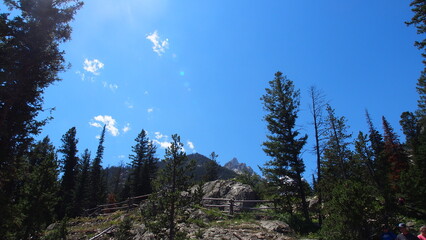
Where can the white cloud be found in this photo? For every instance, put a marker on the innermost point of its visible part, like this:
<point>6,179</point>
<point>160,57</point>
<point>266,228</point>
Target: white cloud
<point>93,66</point>
<point>158,135</point>
<point>95,124</point>
<point>163,144</point>
<point>160,46</point>
<point>126,128</point>
<point>108,121</point>
<point>121,156</point>
<point>150,110</point>
<point>190,145</point>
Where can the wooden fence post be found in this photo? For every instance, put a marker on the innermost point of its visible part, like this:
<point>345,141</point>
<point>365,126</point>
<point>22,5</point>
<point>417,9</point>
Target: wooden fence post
<point>231,206</point>
<point>128,204</point>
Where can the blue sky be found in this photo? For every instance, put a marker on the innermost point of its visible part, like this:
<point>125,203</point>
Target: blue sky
<point>199,68</point>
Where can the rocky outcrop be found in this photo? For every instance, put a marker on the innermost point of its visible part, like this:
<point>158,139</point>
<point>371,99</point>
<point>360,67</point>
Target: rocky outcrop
<point>229,189</point>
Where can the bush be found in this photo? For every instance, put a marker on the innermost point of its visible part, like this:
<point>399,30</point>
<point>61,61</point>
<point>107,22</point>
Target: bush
<point>124,228</point>
<point>349,210</point>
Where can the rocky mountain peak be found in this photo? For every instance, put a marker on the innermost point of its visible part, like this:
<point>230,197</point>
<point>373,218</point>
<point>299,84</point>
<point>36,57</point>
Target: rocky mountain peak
<point>238,167</point>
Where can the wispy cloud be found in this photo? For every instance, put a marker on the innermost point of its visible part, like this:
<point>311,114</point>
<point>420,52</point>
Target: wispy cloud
<point>108,121</point>
<point>111,86</point>
<point>126,128</point>
<point>158,135</point>
<point>150,110</point>
<point>129,104</point>
<point>160,46</point>
<point>93,66</point>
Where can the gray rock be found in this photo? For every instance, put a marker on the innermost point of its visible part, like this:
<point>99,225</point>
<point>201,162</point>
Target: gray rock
<point>276,226</point>
<point>229,189</point>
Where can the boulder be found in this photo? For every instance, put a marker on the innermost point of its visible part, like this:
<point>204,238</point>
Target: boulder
<point>276,226</point>
<point>229,189</point>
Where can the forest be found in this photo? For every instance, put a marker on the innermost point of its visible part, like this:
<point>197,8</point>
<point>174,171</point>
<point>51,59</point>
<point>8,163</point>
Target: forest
<point>361,183</point>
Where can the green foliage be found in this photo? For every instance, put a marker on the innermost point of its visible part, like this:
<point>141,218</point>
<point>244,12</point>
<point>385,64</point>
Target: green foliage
<point>284,171</point>
<point>258,184</point>
<point>59,232</point>
<point>143,166</point>
<point>212,168</point>
<point>40,189</point>
<point>123,232</point>
<point>297,222</point>
<point>167,207</point>
<point>81,197</point>
<point>30,34</point>
<point>69,165</point>
<point>97,194</point>
<point>349,211</point>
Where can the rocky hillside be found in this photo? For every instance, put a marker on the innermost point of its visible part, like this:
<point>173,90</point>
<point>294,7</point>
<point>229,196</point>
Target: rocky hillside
<point>202,223</point>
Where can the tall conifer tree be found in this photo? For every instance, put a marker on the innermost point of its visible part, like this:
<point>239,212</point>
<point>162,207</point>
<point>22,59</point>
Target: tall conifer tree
<point>169,203</point>
<point>69,163</point>
<point>30,35</point>
<point>97,184</point>
<point>40,189</point>
<point>284,146</point>
<point>143,165</point>
<point>81,197</point>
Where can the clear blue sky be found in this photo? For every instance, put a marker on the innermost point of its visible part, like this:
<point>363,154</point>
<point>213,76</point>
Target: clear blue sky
<point>199,68</point>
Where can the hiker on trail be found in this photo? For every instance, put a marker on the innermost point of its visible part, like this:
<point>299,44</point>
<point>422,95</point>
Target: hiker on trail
<point>422,235</point>
<point>386,233</point>
<point>405,234</point>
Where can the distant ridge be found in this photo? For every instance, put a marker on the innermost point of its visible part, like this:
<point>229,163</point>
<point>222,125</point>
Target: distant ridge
<point>200,160</point>
<point>238,167</point>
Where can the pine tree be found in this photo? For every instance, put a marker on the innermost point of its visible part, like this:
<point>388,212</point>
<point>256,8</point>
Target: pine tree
<point>394,154</point>
<point>336,152</point>
<point>69,164</point>
<point>81,197</point>
<point>284,171</point>
<point>419,21</point>
<point>40,189</point>
<point>143,165</point>
<point>212,168</point>
<point>30,35</point>
<point>97,185</point>
<point>169,202</point>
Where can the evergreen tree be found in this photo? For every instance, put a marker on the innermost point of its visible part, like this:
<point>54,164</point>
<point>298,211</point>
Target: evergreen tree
<point>30,34</point>
<point>40,189</point>
<point>284,171</point>
<point>413,183</point>
<point>212,168</point>
<point>336,151</point>
<point>143,165</point>
<point>69,164</point>
<point>419,21</point>
<point>394,154</point>
<point>349,211</point>
<point>97,185</point>
<point>168,203</point>
<point>81,197</point>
